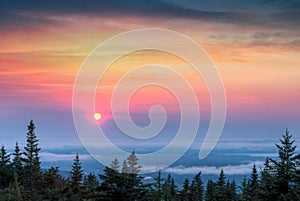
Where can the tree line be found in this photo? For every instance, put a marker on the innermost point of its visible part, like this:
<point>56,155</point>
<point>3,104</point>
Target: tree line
<point>22,179</point>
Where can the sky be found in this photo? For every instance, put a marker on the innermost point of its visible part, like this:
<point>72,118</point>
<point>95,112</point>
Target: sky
<point>255,46</point>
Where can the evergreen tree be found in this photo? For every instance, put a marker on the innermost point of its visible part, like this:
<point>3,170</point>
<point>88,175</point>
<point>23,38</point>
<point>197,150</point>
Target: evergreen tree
<point>210,193</point>
<point>52,184</point>
<point>286,166</point>
<point>125,168</point>
<point>245,191</point>
<point>252,187</point>
<point>266,187</point>
<point>12,193</point>
<point>132,161</point>
<point>196,188</point>
<point>76,178</point>
<point>166,189</point>
<point>4,157</point>
<point>18,162</point>
<point>127,185</point>
<point>91,186</point>
<point>232,195</point>
<point>115,165</point>
<point>254,178</point>
<point>6,174</point>
<point>173,190</point>
<point>185,192</point>
<point>32,176</point>
<point>296,179</point>
<point>111,185</point>
<point>117,186</point>
<point>221,186</point>
<point>157,194</point>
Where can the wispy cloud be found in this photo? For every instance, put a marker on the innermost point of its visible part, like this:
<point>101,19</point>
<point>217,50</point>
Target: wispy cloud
<point>51,157</point>
<point>257,12</point>
<point>242,169</point>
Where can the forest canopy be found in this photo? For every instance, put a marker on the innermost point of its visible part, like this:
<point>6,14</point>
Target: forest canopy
<point>22,178</point>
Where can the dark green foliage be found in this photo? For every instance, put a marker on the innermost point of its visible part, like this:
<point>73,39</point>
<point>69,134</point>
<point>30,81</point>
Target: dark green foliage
<point>32,175</point>
<point>18,163</point>
<point>285,168</point>
<point>221,190</point>
<point>185,192</point>
<point>6,171</point>
<point>173,190</point>
<point>245,190</point>
<point>250,188</point>
<point>4,157</point>
<point>157,192</point>
<point>12,193</point>
<point>52,184</point>
<point>91,186</point>
<point>76,179</point>
<point>167,189</point>
<point>196,188</point>
<point>296,178</point>
<point>267,188</point>
<point>117,186</point>
<point>254,179</point>
<point>210,193</point>
<point>221,187</point>
<point>232,195</point>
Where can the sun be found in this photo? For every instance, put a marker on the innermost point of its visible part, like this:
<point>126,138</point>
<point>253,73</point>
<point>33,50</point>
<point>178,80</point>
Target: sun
<point>97,116</point>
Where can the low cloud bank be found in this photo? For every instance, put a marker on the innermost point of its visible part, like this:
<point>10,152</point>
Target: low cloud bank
<point>242,169</point>
<point>50,157</point>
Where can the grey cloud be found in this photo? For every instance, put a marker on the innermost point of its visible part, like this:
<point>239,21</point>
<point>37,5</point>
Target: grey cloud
<point>250,13</point>
<point>243,169</point>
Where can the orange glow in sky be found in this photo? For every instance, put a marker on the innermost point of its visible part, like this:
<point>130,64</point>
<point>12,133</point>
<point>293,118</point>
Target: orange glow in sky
<point>256,54</point>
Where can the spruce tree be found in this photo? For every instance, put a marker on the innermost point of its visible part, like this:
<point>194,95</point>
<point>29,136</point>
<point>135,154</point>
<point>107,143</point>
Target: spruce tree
<point>254,178</point>
<point>76,178</point>
<point>6,173</point>
<point>18,163</point>
<point>296,178</point>
<point>32,176</point>
<point>196,188</point>
<point>232,191</point>
<point>91,186</point>
<point>173,190</point>
<point>157,194</point>
<point>52,184</point>
<point>266,186</point>
<point>12,193</point>
<point>117,186</point>
<point>111,184</point>
<point>245,190</point>
<point>115,165</point>
<point>132,162</point>
<point>185,192</point>
<point>4,157</point>
<point>125,168</point>
<point>221,186</point>
<point>210,193</point>
<point>253,185</point>
<point>221,180</point>
<point>166,189</point>
<point>286,166</point>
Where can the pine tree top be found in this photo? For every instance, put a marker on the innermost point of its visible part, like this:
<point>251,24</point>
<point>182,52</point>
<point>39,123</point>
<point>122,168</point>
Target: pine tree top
<point>4,157</point>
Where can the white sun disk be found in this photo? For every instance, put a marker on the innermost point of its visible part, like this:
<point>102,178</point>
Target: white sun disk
<point>97,116</point>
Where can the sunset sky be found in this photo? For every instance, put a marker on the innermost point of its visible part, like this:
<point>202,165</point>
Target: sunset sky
<point>255,46</point>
